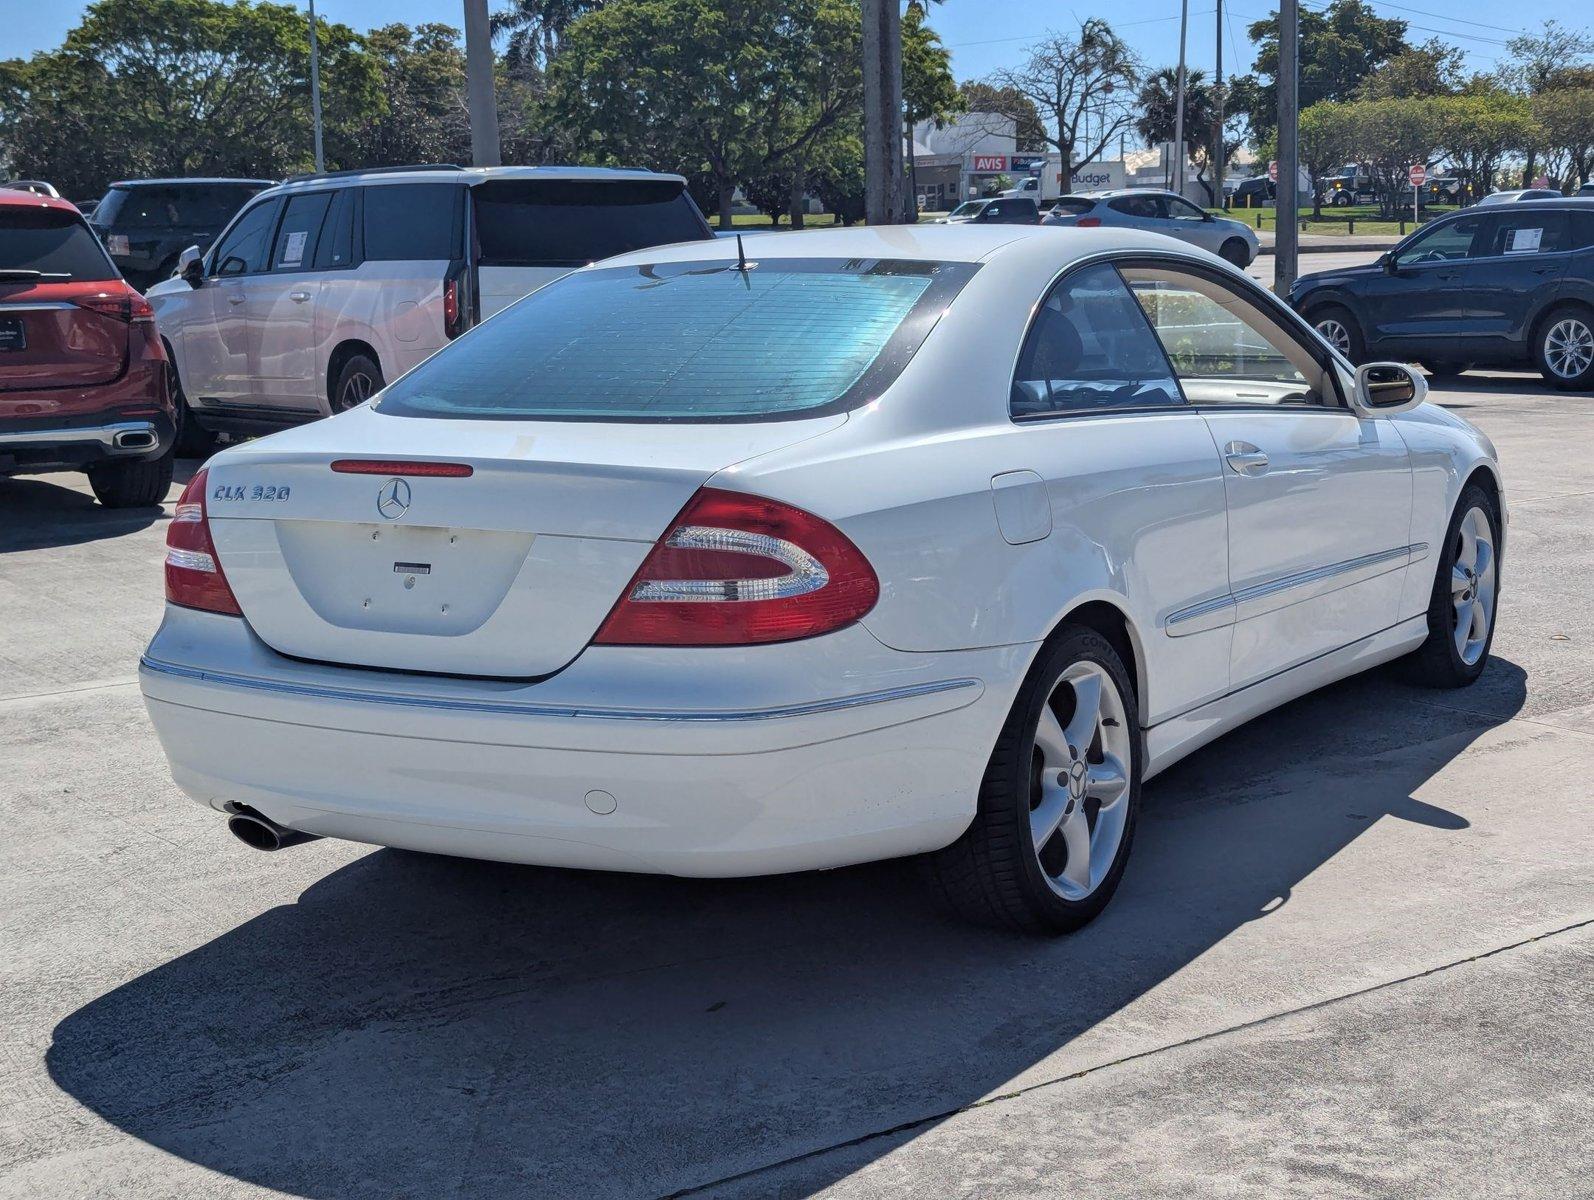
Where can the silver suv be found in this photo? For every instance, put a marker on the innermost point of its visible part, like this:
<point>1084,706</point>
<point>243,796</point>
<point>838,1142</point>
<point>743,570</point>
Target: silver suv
<point>326,287</point>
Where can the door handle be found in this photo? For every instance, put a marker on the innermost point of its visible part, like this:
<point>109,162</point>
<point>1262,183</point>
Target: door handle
<point>298,297</point>
<point>235,299</point>
<point>1245,459</point>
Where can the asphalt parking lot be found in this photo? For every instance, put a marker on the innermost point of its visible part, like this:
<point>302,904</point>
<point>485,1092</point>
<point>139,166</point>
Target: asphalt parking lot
<point>1353,953</point>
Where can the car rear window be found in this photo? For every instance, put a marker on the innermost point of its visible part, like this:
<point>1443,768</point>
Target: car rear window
<point>700,341</point>
<point>53,242</point>
<point>195,206</point>
<point>572,222</point>
<point>1073,206</point>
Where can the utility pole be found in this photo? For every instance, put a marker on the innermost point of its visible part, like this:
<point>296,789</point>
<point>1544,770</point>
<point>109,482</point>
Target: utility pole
<point>1286,243</point>
<point>1178,111</point>
<point>1219,165</point>
<point>882,112</point>
<point>315,92</point>
<point>484,149</point>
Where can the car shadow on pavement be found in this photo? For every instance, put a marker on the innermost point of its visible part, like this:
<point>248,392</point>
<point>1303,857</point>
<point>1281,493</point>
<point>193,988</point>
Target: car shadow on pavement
<point>417,1025</point>
<point>38,513</point>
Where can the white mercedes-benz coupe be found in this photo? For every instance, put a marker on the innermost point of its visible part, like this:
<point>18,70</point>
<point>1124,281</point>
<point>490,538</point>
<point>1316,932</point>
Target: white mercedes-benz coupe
<point>894,541</point>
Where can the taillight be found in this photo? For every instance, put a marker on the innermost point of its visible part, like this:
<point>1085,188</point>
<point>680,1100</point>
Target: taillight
<point>194,577</point>
<point>124,306</point>
<point>735,569</point>
<point>451,307</point>
<point>1087,222</point>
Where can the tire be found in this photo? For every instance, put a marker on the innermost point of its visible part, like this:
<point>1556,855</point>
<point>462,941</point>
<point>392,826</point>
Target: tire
<point>1563,347</point>
<point>1235,251</point>
<point>1340,329</point>
<point>193,439</point>
<point>993,874</point>
<point>1445,370</point>
<point>358,380</point>
<point>1444,660</point>
<point>133,484</point>
<point>1342,200</point>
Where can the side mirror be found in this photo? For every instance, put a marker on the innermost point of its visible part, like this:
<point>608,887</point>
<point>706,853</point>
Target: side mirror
<point>1387,261</point>
<point>191,267</point>
<point>1386,388</point>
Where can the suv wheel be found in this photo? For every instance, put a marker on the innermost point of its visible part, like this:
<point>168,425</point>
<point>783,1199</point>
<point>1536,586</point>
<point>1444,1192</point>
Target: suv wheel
<point>1564,348</point>
<point>133,484</point>
<point>193,439</point>
<point>1056,810</point>
<point>358,381</point>
<point>1340,330</point>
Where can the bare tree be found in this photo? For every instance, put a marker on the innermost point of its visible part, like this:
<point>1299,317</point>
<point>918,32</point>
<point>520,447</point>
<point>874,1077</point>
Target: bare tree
<point>1084,88</point>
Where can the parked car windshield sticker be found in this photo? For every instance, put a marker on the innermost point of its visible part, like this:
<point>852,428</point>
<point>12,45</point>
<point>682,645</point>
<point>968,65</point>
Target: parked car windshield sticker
<point>293,252</point>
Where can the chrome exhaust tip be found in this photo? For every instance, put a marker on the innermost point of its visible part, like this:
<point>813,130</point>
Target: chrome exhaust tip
<point>134,439</point>
<point>262,833</point>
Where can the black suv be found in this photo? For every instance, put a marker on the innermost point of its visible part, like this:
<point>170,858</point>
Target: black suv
<point>146,223</point>
<point>1505,285</point>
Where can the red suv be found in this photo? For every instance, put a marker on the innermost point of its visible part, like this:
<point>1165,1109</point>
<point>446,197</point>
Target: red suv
<point>83,375</point>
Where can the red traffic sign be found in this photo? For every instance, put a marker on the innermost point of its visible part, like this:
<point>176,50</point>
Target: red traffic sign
<point>1273,170</point>
<point>1418,175</point>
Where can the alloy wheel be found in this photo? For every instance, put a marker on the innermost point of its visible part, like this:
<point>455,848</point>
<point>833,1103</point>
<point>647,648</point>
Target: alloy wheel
<point>1569,347</point>
<point>1079,780</point>
<point>357,389</point>
<point>1335,334</point>
<point>1472,581</point>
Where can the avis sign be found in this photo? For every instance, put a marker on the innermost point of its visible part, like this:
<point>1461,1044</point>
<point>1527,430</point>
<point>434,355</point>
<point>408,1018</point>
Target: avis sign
<point>989,164</point>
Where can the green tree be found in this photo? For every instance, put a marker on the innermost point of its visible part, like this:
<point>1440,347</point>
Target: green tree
<point>979,96</point>
<point>1389,137</point>
<point>532,28</point>
<point>1480,130</point>
<point>929,92</point>
<point>180,87</point>
<point>1339,48</point>
<point>718,91</point>
<point>1158,100</point>
<point>1434,68</point>
<point>1328,137</point>
<point>422,115</point>
<point>1565,122</point>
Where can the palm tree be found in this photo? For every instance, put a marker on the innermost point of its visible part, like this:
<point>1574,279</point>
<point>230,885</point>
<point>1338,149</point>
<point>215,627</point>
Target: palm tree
<point>534,28</point>
<point>1158,100</point>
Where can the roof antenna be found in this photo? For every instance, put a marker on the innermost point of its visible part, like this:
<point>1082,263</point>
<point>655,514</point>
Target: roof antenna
<point>741,256</point>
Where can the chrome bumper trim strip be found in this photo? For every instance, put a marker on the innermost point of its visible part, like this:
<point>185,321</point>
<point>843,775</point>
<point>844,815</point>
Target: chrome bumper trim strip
<point>109,436</point>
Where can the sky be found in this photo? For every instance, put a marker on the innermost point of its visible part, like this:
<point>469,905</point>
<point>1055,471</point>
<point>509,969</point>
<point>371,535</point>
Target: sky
<point>984,35</point>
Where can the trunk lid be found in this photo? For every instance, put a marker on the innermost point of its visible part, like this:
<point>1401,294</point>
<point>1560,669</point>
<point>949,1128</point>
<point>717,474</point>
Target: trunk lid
<point>48,341</point>
<point>508,572</point>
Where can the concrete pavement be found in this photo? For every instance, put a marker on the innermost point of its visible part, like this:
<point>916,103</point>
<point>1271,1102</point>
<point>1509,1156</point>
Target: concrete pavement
<point>1351,955</point>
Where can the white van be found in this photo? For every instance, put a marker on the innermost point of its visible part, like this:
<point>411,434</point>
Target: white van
<point>327,287</point>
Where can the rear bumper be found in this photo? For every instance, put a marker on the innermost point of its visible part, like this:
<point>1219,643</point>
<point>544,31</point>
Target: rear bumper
<point>721,762</point>
<point>127,419</point>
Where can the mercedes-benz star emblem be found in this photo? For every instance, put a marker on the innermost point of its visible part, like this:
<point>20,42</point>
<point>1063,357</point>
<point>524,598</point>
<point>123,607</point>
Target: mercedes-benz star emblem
<point>393,501</point>
<point>1078,780</point>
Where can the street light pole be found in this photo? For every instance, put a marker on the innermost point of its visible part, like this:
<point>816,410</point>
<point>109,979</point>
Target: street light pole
<point>882,112</point>
<point>484,149</point>
<point>1286,243</point>
<point>1219,163</point>
<point>315,92</point>
<point>1178,111</point>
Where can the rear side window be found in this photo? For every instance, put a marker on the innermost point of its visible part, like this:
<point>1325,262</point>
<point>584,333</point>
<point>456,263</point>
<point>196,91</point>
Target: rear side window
<point>336,247</point>
<point>572,222</point>
<point>296,236</point>
<point>52,241</point>
<point>1090,349</point>
<point>698,341</point>
<point>206,206</point>
<point>413,221</point>
<point>1524,233</point>
<point>1143,207</point>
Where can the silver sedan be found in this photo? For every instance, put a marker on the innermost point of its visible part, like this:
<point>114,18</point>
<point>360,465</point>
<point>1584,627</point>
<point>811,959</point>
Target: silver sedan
<point>1159,212</point>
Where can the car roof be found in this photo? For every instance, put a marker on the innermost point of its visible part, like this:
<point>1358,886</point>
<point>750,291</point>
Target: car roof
<point>472,176</point>
<point>912,243</point>
<point>13,198</point>
<point>196,179</point>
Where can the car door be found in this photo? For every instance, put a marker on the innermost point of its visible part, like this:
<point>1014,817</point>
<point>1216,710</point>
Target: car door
<point>282,308</point>
<point>1130,484</point>
<point>1185,221</point>
<point>1318,498</point>
<point>1518,261</point>
<point>218,356</point>
<point>1418,306</point>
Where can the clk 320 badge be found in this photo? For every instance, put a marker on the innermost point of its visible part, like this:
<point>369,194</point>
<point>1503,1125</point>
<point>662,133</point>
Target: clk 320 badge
<point>245,491</point>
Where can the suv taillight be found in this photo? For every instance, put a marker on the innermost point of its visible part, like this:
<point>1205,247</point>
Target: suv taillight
<point>194,577</point>
<point>1087,223</point>
<point>735,569</point>
<point>124,306</point>
<point>456,301</point>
